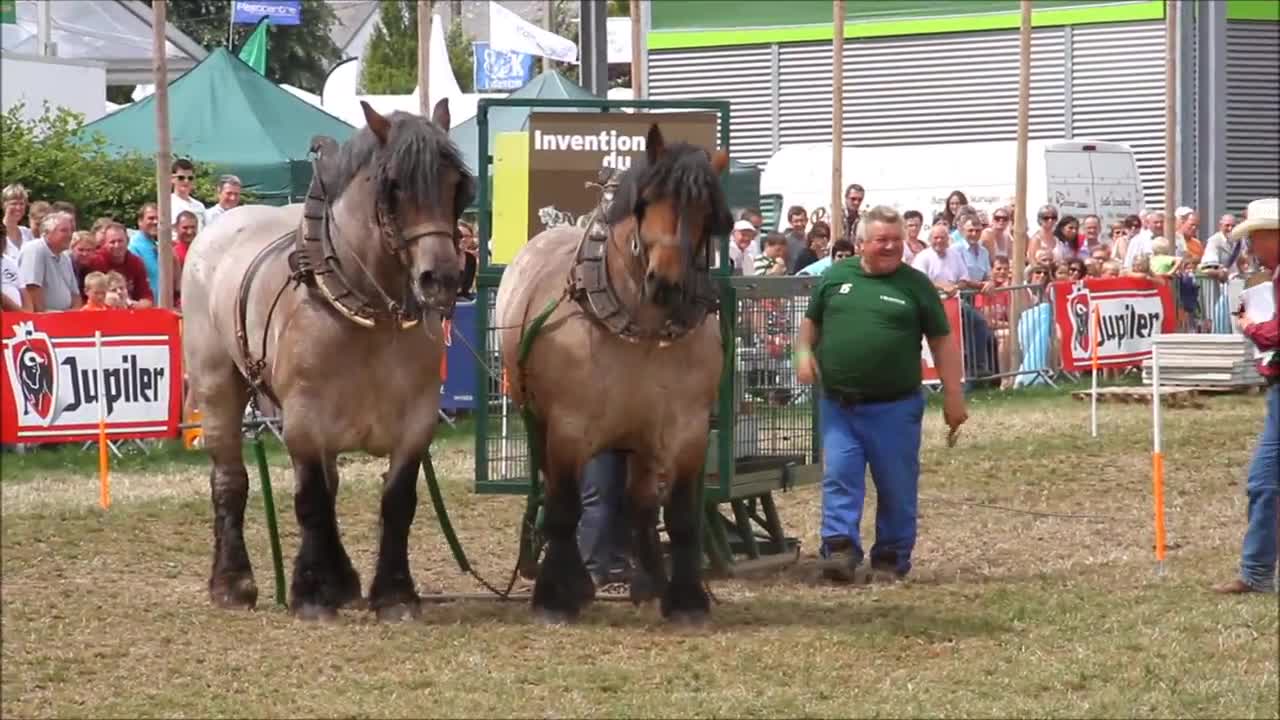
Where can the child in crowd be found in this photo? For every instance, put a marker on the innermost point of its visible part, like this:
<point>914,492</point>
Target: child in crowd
<point>773,261</point>
<point>1163,261</point>
<point>117,290</point>
<point>1110,269</point>
<point>96,289</point>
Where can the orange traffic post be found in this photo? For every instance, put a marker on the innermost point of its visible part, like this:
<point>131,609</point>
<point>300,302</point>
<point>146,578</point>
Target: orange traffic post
<point>1157,459</point>
<point>104,452</point>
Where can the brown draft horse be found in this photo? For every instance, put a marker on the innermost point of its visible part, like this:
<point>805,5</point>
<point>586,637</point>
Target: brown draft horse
<point>593,389</point>
<point>390,202</point>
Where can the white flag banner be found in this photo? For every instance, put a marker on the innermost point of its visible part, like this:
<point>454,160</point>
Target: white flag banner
<point>508,31</point>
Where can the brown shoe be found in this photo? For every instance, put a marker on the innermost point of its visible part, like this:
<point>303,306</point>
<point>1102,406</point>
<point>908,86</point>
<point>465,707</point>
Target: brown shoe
<point>1235,587</point>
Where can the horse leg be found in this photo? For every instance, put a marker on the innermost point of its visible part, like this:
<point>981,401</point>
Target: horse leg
<point>393,595</point>
<point>649,574</point>
<point>563,585</point>
<point>221,397</point>
<point>323,578</point>
<point>685,600</point>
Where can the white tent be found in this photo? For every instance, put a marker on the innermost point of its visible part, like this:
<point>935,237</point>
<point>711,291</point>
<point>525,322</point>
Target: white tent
<point>116,33</point>
<point>340,95</point>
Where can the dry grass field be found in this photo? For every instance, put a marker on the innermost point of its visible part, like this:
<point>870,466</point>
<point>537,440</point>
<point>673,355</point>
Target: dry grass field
<point>1007,613</point>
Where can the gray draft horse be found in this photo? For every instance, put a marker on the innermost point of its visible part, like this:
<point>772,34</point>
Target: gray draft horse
<point>645,388</point>
<point>386,207</point>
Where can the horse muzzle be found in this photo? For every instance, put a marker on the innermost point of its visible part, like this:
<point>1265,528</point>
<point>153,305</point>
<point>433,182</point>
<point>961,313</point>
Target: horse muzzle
<point>661,291</point>
<point>438,290</point>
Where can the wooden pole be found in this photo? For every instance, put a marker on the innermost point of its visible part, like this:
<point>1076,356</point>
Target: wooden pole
<point>837,119</point>
<point>1170,118</point>
<point>638,89</point>
<point>424,56</point>
<point>164,158</point>
<point>549,19</point>
<point>1021,208</point>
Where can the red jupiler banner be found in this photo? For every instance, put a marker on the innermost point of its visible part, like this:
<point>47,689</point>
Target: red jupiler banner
<point>53,381</point>
<point>928,370</point>
<point>1132,311</point>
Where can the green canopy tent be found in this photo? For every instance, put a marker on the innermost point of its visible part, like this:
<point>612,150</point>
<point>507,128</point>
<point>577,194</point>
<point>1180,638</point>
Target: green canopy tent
<point>742,188</point>
<point>224,114</point>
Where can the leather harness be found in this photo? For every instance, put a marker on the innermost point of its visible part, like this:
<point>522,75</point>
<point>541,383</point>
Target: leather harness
<point>313,262</point>
<point>591,288</point>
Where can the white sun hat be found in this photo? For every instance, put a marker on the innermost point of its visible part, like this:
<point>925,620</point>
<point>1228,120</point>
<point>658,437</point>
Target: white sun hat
<point>1262,214</point>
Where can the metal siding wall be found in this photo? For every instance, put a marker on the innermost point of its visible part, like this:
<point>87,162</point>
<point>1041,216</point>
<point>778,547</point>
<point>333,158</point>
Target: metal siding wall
<point>924,89</point>
<point>1118,94</point>
<point>741,75</point>
<point>1253,112</point>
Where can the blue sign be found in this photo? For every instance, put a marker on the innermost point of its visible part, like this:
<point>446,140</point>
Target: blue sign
<point>280,12</point>
<point>458,391</point>
<point>500,69</point>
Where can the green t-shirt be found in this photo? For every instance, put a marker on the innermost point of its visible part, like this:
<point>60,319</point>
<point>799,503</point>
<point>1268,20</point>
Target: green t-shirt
<point>870,326</point>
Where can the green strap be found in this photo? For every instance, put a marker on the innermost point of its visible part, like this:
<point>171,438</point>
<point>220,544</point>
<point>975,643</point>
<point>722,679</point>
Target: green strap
<point>531,427</point>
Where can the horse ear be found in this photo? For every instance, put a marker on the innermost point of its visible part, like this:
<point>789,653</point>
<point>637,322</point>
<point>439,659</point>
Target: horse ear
<point>440,114</point>
<point>654,144</point>
<point>719,161</point>
<point>377,123</point>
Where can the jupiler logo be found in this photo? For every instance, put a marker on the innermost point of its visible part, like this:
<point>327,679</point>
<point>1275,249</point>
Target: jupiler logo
<point>1078,304</point>
<point>33,362</point>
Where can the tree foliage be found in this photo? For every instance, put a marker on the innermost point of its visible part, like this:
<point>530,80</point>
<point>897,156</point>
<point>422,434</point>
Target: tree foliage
<point>54,161</point>
<point>390,63</point>
<point>299,55</point>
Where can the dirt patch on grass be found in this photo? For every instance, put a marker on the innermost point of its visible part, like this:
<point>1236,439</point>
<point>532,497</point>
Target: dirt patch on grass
<point>1034,593</point>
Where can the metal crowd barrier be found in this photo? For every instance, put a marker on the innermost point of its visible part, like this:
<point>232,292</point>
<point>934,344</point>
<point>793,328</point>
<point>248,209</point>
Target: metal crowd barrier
<point>1201,305</point>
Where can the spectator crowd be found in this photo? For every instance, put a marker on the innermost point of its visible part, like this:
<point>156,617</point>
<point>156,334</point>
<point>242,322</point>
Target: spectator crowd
<point>50,264</point>
<point>967,253</point>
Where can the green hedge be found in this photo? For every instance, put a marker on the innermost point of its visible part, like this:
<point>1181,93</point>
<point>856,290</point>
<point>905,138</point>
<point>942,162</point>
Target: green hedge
<point>48,156</point>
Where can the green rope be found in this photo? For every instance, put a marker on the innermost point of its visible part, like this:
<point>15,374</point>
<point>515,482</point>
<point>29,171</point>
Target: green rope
<point>533,430</point>
<point>269,507</point>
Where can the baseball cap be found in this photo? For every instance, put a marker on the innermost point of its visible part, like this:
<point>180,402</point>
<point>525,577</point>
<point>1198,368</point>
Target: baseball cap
<point>744,225</point>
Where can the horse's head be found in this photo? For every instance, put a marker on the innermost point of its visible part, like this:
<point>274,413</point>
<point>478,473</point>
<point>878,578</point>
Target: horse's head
<point>675,197</point>
<point>421,186</point>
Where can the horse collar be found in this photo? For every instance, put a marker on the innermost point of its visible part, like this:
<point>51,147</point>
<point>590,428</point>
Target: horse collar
<point>317,265</point>
<point>593,290</point>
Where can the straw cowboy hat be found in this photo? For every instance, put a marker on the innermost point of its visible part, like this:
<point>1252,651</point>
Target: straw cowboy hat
<point>1262,214</point>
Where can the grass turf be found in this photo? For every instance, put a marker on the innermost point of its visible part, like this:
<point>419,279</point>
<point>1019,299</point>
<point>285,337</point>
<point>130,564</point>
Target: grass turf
<point>1007,613</point>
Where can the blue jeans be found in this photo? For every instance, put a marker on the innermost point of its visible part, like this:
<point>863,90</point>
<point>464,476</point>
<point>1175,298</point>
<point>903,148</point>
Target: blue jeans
<point>1258,557</point>
<point>885,436</point>
<point>602,528</point>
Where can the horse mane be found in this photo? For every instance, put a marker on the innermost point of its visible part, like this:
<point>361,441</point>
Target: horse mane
<point>683,173</point>
<point>415,152</point>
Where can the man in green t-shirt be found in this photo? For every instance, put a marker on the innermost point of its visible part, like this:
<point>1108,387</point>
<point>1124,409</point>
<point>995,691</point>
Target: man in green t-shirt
<point>864,322</point>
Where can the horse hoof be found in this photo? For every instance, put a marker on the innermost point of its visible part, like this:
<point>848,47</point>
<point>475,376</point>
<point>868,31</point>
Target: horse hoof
<point>399,612</point>
<point>547,616</point>
<point>311,612</point>
<point>236,594</point>
<point>689,618</point>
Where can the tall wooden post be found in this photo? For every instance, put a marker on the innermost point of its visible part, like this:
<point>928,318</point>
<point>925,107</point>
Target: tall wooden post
<point>637,82</point>
<point>424,56</point>
<point>549,20</point>
<point>164,158</point>
<point>837,119</point>
<point>1170,118</point>
<point>1013,355</point>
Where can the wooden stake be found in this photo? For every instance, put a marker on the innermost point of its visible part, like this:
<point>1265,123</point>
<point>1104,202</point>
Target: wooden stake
<point>1170,117</point>
<point>638,89</point>
<point>1022,207</point>
<point>424,56</point>
<point>837,120</point>
<point>164,157</point>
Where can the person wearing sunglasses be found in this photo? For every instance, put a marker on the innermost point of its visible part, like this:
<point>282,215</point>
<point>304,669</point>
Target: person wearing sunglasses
<point>997,238</point>
<point>183,175</point>
<point>1042,238</point>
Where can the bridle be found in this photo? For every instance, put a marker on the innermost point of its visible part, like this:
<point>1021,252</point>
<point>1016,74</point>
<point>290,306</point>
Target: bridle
<point>592,288</point>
